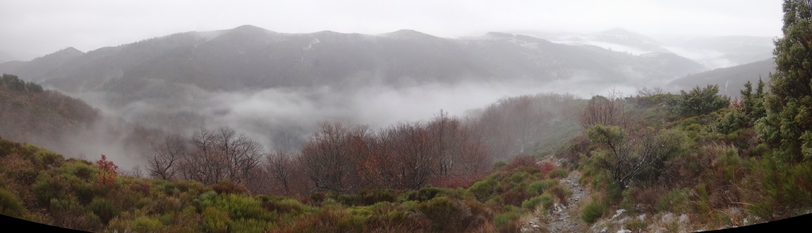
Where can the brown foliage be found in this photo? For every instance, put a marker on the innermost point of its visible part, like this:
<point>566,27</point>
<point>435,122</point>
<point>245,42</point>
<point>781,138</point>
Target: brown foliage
<point>521,161</point>
<point>605,111</point>
<point>220,154</point>
<point>330,158</point>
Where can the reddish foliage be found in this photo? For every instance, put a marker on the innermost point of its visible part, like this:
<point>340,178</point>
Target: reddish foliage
<point>546,167</point>
<point>737,103</point>
<point>521,161</point>
<point>107,173</point>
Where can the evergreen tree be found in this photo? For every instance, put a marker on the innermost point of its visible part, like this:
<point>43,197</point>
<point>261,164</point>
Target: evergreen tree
<point>699,101</point>
<point>787,127</point>
<point>753,102</point>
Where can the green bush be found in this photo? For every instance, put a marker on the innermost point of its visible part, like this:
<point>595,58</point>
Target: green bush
<point>49,187</point>
<point>483,189</point>
<point>538,187</point>
<point>146,224</point>
<point>558,173</point>
<point>442,211</point>
<point>103,208</point>
<point>215,220</point>
<point>10,204</point>
<point>241,207</point>
<point>370,197</point>
<point>675,201</point>
<point>547,200</point>
<point>593,212</point>
<point>250,225</point>
<point>531,203</point>
<point>698,101</point>
<point>506,218</point>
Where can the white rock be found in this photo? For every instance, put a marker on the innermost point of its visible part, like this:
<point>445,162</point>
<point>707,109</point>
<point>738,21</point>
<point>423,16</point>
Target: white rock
<point>683,219</point>
<point>618,213</point>
<point>624,231</point>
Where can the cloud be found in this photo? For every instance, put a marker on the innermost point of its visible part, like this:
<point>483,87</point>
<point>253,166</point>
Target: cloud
<point>34,28</point>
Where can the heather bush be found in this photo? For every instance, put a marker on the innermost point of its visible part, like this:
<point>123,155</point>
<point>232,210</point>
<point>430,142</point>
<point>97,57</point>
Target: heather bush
<point>104,209</point>
<point>530,204</point>
<point>10,204</point>
<point>558,173</point>
<point>539,186</point>
<point>593,212</point>
<point>484,189</point>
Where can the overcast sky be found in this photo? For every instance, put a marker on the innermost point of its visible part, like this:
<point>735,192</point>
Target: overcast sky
<point>30,28</point>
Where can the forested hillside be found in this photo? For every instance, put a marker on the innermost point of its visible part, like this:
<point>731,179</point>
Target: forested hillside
<point>32,114</point>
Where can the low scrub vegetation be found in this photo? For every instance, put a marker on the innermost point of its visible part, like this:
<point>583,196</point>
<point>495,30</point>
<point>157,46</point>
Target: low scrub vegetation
<point>91,196</point>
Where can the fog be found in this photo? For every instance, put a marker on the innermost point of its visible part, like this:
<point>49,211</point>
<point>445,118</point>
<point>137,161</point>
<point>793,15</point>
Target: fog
<point>284,118</point>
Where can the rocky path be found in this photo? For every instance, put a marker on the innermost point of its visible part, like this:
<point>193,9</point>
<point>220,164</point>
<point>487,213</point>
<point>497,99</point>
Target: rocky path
<point>567,218</point>
<point>564,218</point>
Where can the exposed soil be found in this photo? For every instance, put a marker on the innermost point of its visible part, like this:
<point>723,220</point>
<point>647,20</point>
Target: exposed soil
<point>563,218</point>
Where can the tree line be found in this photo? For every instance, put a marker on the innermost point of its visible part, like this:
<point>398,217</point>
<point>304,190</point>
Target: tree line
<point>348,158</point>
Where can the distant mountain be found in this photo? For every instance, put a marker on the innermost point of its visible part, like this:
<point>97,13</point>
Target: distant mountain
<point>731,79</point>
<point>724,51</point>
<point>42,66</point>
<point>712,52</point>
<point>616,39</point>
<point>248,57</point>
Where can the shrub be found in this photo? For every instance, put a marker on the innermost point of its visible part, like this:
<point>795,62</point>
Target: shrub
<point>531,203</point>
<point>506,218</point>
<point>499,164</point>
<point>521,161</point>
<point>10,204</point>
<point>537,187</point>
<point>547,200</point>
<point>286,206</point>
<point>146,224</point>
<point>442,211</point>
<point>215,220</point>
<point>241,207</point>
<point>49,187</point>
<point>69,214</point>
<point>483,189</point>
<point>546,167</point>
<point>559,173</point>
<point>593,212</point>
<point>675,201</point>
<point>561,193</point>
<point>370,197</point>
<point>327,220</point>
<point>104,209</point>
<point>228,186</point>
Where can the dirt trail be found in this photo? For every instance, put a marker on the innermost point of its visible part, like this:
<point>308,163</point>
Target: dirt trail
<point>564,218</point>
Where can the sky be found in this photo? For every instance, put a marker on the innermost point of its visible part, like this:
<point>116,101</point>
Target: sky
<point>33,28</point>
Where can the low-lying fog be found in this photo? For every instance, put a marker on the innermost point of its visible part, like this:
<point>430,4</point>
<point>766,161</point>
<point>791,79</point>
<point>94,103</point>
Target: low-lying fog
<point>283,118</point>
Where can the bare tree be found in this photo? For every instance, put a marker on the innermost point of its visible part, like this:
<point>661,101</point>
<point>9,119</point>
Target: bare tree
<point>167,153</point>
<point>513,125</point>
<point>416,162</point>
<point>242,153</point>
<point>605,111</point>
<point>280,166</point>
<point>220,154</point>
<point>625,156</point>
<point>329,159</point>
